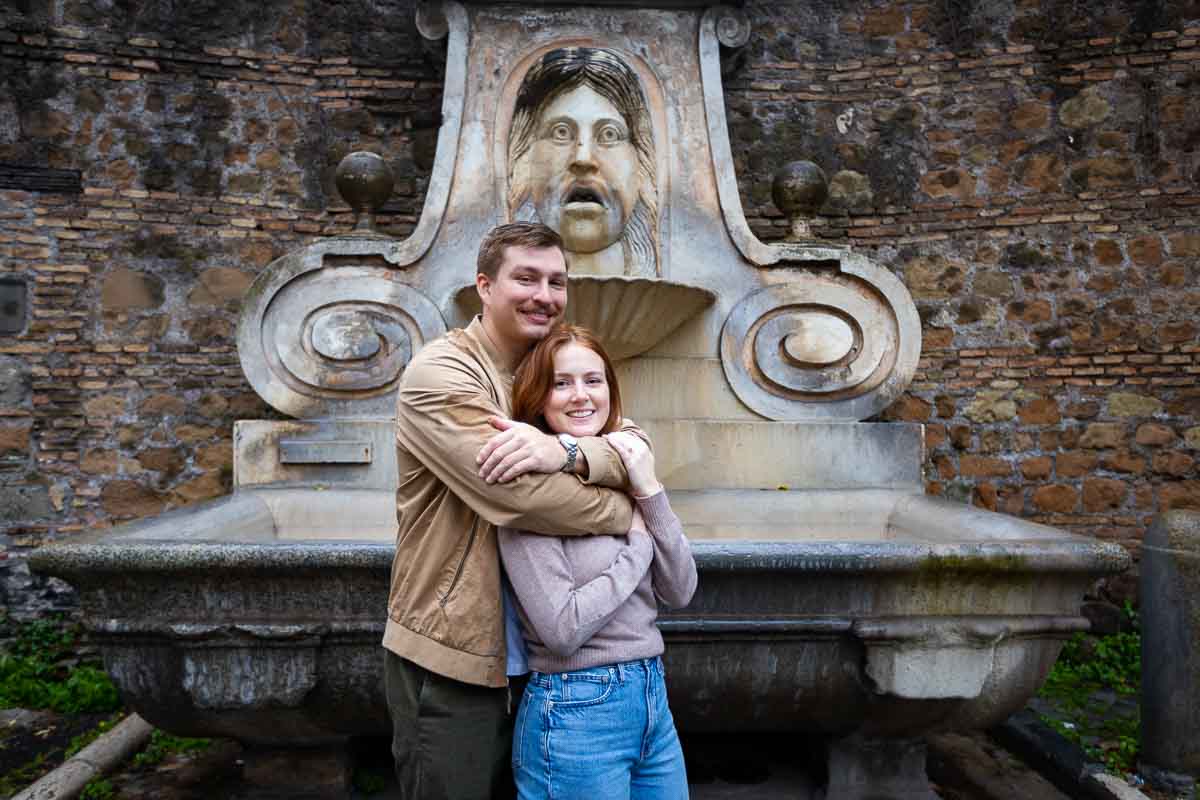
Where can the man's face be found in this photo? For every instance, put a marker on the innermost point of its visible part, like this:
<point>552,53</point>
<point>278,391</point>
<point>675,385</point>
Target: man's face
<point>528,295</point>
<point>584,172</point>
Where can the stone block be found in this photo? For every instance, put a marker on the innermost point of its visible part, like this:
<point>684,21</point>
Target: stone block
<point>1075,464</point>
<point>125,499</point>
<point>1154,434</point>
<point>218,286</point>
<point>990,406</point>
<point>1192,437</point>
<point>1179,494</point>
<point>130,290</point>
<point>1173,463</point>
<point>1056,498</point>
<point>1102,494</point>
<point>1042,411</point>
<point>970,466</point>
<point>1103,435</point>
<point>107,405</point>
<point>1085,109</point>
<point>1036,468</point>
<point>14,382</point>
<point>162,405</point>
<point>1124,461</point>
<point>21,504</point>
<point>908,408</point>
<point>1128,404</point>
<point>15,439</point>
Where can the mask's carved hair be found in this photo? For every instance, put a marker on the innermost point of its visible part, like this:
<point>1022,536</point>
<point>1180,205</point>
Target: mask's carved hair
<point>603,71</point>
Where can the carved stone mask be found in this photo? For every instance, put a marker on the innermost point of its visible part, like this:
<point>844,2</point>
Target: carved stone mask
<point>584,173</point>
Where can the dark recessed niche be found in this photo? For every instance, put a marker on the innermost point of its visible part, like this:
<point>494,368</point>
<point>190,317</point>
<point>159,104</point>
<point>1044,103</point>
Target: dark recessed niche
<point>13,301</point>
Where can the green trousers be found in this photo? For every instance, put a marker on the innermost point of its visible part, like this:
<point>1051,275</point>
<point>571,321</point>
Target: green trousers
<point>450,740</point>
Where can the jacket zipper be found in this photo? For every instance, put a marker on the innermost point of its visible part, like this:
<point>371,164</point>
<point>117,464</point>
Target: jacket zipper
<point>459,570</point>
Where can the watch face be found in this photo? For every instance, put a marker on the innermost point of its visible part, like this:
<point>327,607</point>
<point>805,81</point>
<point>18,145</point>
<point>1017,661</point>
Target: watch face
<point>567,439</point>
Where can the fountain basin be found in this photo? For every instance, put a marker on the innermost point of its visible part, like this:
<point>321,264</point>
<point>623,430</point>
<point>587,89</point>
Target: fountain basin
<point>873,611</point>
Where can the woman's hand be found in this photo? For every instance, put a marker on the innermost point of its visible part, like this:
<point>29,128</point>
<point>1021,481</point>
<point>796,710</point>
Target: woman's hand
<point>639,462</point>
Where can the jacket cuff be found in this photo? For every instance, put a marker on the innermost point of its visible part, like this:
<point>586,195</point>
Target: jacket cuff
<point>604,465</point>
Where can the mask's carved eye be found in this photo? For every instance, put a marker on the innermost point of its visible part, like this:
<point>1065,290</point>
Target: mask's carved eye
<point>610,134</point>
<point>561,132</point>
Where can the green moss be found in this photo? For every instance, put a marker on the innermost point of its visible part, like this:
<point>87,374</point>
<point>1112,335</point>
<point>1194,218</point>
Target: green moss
<point>1087,666</point>
<point>1005,562</point>
<point>163,744</point>
<point>39,670</point>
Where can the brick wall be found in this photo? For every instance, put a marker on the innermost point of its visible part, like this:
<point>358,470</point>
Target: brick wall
<point>1029,167</point>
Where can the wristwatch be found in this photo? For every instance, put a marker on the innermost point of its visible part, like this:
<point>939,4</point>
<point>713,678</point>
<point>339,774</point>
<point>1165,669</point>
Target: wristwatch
<point>571,445</point>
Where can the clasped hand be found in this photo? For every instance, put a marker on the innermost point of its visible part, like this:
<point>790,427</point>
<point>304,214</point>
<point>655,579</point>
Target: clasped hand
<point>517,449</point>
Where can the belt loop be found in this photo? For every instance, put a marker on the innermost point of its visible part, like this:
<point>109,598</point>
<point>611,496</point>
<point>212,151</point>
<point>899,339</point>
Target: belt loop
<point>620,672</point>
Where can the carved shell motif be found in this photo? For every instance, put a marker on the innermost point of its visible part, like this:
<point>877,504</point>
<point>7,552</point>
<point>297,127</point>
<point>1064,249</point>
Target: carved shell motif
<point>824,346</point>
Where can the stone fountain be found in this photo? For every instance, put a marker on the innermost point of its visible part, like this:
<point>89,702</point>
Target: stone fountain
<point>835,596</point>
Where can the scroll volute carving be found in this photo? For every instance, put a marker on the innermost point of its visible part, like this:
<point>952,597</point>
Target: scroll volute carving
<point>826,345</point>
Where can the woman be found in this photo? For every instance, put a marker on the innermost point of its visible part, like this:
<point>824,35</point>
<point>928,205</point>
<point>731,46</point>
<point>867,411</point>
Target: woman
<point>594,722</point>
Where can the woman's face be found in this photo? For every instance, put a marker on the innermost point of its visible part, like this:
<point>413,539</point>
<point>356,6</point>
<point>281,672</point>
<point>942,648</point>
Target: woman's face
<point>578,402</point>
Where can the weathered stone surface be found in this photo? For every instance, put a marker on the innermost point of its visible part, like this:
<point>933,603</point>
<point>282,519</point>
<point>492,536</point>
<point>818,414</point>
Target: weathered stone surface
<point>992,283</point>
<point>1173,463</point>
<point>1124,461</point>
<point>190,434</point>
<point>1037,468</point>
<point>24,503</point>
<point>909,409</point>
<point>1075,464</point>
<point>934,277</point>
<point>1084,110</point>
<point>218,286</point>
<point>169,460</point>
<point>15,439</point>
<point>1153,433</point>
<point>125,499</point>
<point>1100,494</point>
<point>1042,411</point>
<point>215,456</point>
<point>14,382</point>
<point>162,405</point>
<point>202,487</point>
<point>990,407</point>
<point>1179,494</point>
<point>1099,435</point>
<point>1128,404</point>
<point>850,191</point>
<point>130,290</point>
<point>108,405</point>
<point>1192,437</point>
<point>983,466</point>
<point>1056,498</point>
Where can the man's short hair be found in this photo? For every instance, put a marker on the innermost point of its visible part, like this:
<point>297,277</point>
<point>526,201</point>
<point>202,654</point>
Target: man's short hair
<point>514,234</point>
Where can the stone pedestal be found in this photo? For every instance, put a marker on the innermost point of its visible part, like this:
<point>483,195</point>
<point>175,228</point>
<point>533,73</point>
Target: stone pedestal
<point>861,768</point>
<point>1170,593</point>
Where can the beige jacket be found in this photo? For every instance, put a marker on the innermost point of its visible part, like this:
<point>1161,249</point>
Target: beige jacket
<point>444,606</point>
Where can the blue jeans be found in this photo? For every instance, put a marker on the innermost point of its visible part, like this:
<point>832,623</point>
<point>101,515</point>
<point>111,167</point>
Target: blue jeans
<point>604,732</point>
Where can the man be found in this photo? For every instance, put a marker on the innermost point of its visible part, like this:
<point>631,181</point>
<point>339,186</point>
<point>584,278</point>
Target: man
<point>445,661</point>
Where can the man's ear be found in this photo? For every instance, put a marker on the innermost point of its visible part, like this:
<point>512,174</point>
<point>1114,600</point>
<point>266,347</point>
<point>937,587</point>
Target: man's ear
<point>483,285</point>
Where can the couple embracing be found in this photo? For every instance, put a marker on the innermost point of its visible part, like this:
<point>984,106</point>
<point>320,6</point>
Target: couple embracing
<point>534,545</point>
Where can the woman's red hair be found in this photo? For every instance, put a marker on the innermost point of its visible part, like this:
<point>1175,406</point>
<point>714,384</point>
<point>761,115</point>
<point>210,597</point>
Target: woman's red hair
<point>534,378</point>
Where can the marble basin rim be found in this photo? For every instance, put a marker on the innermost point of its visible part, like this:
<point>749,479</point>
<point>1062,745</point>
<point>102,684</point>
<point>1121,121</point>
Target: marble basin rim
<point>230,619</point>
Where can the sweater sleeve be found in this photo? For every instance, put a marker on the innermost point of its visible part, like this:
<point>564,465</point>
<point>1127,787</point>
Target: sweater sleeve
<point>673,569</point>
<point>442,411</point>
<point>605,467</point>
<point>565,616</point>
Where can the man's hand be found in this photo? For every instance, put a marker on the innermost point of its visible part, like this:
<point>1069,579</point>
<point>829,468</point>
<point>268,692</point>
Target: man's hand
<point>518,449</point>
<point>639,462</point>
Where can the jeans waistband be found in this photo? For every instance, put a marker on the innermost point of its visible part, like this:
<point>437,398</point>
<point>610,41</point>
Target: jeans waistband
<point>619,671</point>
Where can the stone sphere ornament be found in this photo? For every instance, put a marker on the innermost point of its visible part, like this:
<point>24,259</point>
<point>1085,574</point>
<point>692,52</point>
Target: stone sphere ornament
<point>799,189</point>
<point>365,182</point>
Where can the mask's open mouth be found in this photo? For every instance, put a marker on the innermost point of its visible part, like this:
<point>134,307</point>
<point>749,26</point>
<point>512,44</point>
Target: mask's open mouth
<point>584,200</point>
